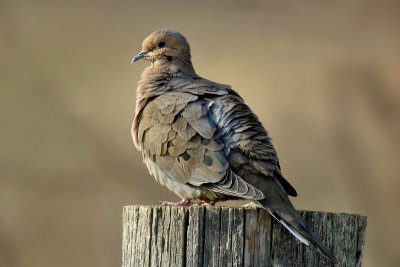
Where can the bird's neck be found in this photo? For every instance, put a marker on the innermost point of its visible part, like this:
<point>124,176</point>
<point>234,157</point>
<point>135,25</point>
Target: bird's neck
<point>174,66</point>
<point>161,77</point>
<point>157,78</point>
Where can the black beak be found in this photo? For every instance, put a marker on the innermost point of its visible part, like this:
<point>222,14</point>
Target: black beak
<point>141,55</point>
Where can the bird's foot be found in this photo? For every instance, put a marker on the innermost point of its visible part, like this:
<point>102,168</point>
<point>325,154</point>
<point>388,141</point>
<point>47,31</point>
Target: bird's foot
<point>251,205</point>
<point>206,202</point>
<point>183,202</point>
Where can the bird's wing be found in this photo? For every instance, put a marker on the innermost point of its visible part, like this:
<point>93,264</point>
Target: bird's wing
<point>178,134</point>
<point>248,147</point>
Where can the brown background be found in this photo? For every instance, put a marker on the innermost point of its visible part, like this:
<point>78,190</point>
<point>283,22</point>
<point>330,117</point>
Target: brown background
<point>322,75</point>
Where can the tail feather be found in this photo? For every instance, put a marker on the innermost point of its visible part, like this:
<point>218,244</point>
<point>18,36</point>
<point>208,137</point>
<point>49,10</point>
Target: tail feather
<point>291,230</point>
<point>300,229</point>
<point>292,221</point>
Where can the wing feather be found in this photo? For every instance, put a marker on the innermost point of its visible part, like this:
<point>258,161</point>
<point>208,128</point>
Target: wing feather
<point>181,137</point>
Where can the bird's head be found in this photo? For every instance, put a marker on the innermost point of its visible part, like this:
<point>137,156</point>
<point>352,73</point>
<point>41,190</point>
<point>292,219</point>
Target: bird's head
<point>165,46</point>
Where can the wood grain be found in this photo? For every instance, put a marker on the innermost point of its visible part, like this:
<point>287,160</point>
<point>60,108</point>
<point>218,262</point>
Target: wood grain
<point>231,236</point>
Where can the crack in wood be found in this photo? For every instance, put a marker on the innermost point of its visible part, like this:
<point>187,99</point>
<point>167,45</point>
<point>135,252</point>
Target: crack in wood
<point>224,236</point>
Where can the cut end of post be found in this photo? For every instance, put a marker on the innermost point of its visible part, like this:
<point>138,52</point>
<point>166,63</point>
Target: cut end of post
<point>240,236</point>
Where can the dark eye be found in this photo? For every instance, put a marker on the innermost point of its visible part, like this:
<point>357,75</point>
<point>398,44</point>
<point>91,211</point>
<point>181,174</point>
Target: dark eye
<point>161,44</point>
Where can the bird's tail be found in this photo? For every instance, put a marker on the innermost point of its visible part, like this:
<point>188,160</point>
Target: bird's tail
<point>292,220</point>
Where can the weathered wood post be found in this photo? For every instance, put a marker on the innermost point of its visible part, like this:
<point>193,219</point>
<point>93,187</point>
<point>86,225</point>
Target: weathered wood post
<point>227,236</point>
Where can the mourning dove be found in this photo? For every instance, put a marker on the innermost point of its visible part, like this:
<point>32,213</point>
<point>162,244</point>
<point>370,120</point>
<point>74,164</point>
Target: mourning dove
<point>200,140</point>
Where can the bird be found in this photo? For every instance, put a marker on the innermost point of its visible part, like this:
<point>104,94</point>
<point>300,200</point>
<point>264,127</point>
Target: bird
<point>203,142</point>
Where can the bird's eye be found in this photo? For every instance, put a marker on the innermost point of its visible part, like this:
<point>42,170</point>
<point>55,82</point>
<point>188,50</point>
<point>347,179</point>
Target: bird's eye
<point>161,44</point>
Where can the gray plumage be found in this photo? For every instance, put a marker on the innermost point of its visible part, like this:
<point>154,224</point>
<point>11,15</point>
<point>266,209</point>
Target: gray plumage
<point>201,140</point>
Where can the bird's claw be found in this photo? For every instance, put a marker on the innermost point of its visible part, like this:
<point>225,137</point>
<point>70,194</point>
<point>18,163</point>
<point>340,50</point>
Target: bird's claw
<point>251,205</point>
<point>182,203</point>
<point>204,202</point>
<point>188,202</point>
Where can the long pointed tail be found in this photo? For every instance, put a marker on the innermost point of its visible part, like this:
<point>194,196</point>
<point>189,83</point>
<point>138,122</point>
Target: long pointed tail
<point>292,220</point>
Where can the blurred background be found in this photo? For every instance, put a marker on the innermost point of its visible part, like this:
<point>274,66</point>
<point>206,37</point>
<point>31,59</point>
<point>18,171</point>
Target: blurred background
<point>323,76</point>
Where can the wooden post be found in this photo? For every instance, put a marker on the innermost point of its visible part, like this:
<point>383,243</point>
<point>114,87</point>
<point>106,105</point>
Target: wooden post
<point>227,236</point>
